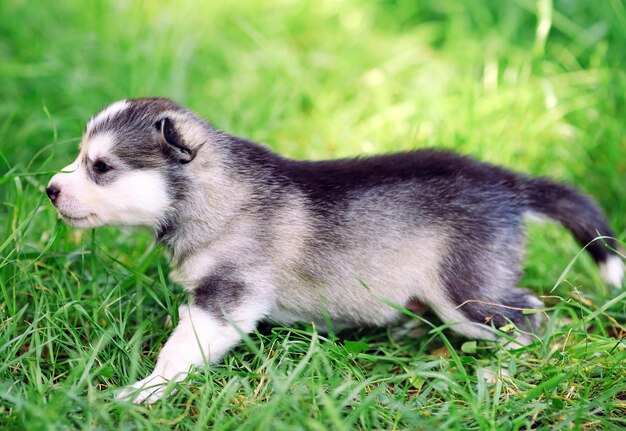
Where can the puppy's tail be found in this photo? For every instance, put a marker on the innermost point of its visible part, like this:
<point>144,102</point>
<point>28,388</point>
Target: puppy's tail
<point>583,217</point>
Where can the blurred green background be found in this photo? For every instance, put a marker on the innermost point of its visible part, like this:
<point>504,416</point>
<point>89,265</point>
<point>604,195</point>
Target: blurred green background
<point>536,85</point>
<point>512,82</point>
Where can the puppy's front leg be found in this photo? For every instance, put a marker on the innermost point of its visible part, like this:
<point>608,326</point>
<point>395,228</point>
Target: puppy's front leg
<point>200,337</point>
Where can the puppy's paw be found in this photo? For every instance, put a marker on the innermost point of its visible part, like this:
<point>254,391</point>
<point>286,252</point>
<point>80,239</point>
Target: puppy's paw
<point>146,391</point>
<point>491,374</point>
<point>412,328</point>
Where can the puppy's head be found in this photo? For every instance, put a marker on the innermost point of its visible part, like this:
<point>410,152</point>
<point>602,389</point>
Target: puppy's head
<point>131,165</point>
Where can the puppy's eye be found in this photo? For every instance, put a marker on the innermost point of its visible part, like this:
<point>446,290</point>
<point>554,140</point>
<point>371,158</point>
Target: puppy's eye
<point>101,167</point>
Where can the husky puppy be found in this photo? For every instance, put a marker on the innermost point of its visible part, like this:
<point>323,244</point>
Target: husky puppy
<point>254,236</point>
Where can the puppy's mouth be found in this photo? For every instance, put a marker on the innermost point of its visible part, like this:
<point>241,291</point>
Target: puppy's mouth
<point>83,221</point>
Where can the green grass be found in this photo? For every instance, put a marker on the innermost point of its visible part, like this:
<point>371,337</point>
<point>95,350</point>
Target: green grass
<point>535,86</point>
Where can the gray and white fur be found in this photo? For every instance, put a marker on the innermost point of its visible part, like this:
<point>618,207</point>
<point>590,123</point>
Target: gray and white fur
<point>256,236</point>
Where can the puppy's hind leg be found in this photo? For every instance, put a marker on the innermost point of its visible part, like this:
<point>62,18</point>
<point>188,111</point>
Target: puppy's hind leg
<point>472,297</point>
<point>513,308</point>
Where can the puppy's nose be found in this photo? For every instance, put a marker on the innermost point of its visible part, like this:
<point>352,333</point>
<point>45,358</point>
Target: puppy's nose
<point>53,192</point>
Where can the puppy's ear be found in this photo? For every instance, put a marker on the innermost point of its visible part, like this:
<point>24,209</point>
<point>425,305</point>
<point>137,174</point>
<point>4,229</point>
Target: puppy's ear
<point>174,140</point>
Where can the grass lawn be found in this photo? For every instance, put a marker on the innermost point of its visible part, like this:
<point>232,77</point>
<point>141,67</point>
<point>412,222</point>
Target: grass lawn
<point>537,86</point>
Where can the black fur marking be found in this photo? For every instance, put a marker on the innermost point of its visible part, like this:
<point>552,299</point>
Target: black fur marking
<point>446,186</point>
<point>177,187</point>
<point>220,291</point>
<point>438,182</point>
<point>331,183</point>
<point>165,229</point>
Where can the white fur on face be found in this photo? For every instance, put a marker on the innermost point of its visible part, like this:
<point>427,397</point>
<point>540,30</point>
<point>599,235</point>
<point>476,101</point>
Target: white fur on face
<point>98,146</point>
<point>135,198</point>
